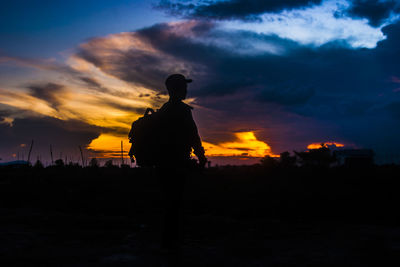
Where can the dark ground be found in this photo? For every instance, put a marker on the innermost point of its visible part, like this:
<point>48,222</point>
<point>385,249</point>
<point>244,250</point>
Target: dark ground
<point>237,216</point>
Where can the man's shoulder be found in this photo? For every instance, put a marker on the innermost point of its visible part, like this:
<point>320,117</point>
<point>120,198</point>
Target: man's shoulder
<point>177,105</point>
<point>187,106</point>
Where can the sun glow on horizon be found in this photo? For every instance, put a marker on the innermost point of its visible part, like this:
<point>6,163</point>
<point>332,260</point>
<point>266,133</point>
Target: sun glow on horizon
<point>246,146</point>
<point>109,146</point>
<point>329,144</point>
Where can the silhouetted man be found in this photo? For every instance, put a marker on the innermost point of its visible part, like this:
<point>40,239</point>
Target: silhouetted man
<point>179,137</point>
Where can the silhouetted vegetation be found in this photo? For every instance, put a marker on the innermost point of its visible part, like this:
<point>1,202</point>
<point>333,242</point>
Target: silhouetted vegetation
<point>286,160</point>
<point>109,164</point>
<point>94,163</point>
<point>321,157</point>
<point>38,165</point>
<point>269,162</point>
<point>111,211</point>
<point>59,163</point>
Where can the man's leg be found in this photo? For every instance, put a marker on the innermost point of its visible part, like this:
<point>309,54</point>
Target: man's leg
<point>172,186</point>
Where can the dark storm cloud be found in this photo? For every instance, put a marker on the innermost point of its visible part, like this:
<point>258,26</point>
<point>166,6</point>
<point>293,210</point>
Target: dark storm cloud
<point>376,11</point>
<point>123,107</point>
<point>50,92</point>
<point>92,83</point>
<point>139,67</point>
<point>11,112</point>
<point>287,95</point>
<point>288,78</point>
<point>299,94</point>
<point>132,67</point>
<point>4,113</point>
<point>225,72</point>
<point>388,51</point>
<point>64,136</point>
<point>234,9</point>
<point>97,87</point>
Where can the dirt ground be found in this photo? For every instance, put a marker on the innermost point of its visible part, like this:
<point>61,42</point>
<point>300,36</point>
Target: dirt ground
<point>30,238</point>
<point>53,219</point>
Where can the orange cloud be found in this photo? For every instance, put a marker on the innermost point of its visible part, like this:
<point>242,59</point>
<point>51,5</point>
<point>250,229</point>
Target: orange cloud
<point>109,146</point>
<point>329,144</point>
<point>246,146</point>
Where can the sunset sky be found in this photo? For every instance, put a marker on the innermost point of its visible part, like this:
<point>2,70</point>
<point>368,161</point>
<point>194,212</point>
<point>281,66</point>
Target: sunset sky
<point>268,76</point>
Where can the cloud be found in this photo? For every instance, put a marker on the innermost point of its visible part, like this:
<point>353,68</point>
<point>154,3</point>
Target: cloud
<point>132,59</point>
<point>92,83</point>
<point>306,22</point>
<point>50,92</point>
<point>77,90</point>
<point>233,9</point>
<point>276,78</point>
<point>288,93</point>
<point>314,26</point>
<point>246,145</point>
<point>64,136</point>
<point>43,64</point>
<point>177,45</point>
<point>50,65</point>
<point>291,98</point>
<point>109,146</point>
<point>376,11</point>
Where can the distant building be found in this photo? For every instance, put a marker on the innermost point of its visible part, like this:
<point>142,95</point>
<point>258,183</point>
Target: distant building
<point>15,163</point>
<point>316,157</point>
<point>354,157</point>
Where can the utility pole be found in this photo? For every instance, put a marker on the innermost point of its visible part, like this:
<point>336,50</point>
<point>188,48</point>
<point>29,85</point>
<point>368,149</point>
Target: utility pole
<point>30,150</point>
<point>122,153</point>
<point>83,163</point>
<point>51,154</point>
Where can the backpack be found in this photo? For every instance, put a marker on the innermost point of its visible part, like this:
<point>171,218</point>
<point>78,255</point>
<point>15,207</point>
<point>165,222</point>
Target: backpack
<point>144,136</point>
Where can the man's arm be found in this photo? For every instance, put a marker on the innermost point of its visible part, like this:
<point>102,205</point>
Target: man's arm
<point>195,140</point>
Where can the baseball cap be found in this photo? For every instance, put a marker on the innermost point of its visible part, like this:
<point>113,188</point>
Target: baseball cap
<point>176,78</point>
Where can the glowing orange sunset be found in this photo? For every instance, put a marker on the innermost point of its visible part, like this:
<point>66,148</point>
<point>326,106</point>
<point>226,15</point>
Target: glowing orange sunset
<point>319,145</point>
<point>246,146</point>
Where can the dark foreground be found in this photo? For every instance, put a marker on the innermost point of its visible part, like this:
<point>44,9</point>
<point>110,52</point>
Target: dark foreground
<point>242,216</point>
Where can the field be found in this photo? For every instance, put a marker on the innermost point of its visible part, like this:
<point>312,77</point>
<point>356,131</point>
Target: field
<point>233,216</point>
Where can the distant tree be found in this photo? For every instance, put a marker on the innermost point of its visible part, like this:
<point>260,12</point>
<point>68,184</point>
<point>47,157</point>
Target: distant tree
<point>38,165</point>
<point>286,160</point>
<point>322,156</point>
<point>94,163</point>
<point>268,162</point>
<point>109,164</point>
<point>125,166</point>
<point>59,163</point>
<point>73,165</point>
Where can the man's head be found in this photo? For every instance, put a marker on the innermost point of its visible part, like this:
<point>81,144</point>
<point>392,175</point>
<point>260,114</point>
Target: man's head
<point>177,86</point>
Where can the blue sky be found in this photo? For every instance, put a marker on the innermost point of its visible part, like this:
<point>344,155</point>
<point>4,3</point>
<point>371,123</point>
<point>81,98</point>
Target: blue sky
<point>270,75</point>
<point>46,28</point>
